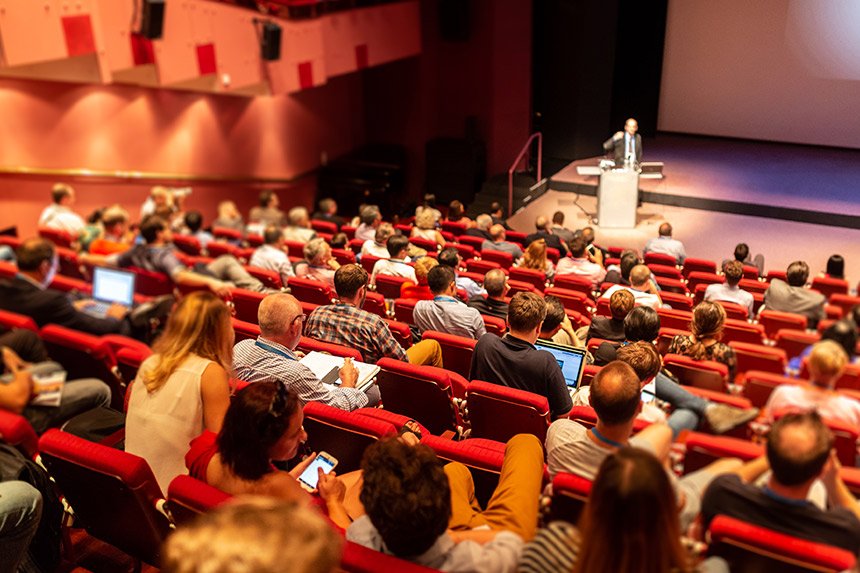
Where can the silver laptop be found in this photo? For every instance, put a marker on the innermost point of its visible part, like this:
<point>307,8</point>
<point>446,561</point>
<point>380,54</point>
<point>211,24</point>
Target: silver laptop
<point>571,360</point>
<point>110,286</point>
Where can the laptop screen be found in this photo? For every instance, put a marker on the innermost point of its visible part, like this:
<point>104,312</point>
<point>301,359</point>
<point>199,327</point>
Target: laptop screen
<point>111,285</point>
<point>571,360</point>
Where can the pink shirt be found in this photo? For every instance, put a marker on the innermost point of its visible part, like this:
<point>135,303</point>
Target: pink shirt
<point>583,268</point>
<point>830,405</point>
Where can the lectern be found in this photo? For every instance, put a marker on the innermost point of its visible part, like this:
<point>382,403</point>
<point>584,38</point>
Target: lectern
<point>617,198</point>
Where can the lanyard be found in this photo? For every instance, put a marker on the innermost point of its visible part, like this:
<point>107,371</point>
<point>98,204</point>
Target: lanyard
<point>605,440</point>
<point>782,499</point>
<point>272,349</point>
<point>441,298</point>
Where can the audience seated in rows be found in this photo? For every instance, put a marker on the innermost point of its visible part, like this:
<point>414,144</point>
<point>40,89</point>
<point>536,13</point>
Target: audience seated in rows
<point>183,388</point>
<point>444,313</point>
<point>370,218</point>
<point>729,290</point>
<point>318,264</point>
<point>59,215</point>
<point>513,360</point>
<point>422,512</point>
<point>826,364</point>
<point>425,228</point>
<point>581,263</point>
<point>271,256</point>
<point>556,326</point>
<point>666,245</point>
<point>268,529</point>
<point>641,287</point>
<point>298,226</point>
<point>348,324</point>
<point>450,257</point>
<point>792,295</point>
<point>799,452</point>
<point>616,396</point>
<point>328,212</point>
<point>272,358</point>
<point>114,236</point>
<point>483,222</point>
<point>709,319</point>
<point>262,425</point>
<point>378,246</point>
<point>542,231</point>
<point>396,263</point>
<point>497,242</point>
<point>494,304</point>
<point>612,327</point>
<point>420,289</point>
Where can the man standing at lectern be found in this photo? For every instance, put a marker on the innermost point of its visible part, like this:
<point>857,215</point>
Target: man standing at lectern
<point>626,145</point>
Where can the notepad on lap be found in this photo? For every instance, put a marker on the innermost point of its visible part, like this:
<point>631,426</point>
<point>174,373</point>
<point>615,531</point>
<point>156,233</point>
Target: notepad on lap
<point>326,367</point>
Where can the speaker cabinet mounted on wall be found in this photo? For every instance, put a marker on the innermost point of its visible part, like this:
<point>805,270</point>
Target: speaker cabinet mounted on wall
<point>270,42</point>
<point>152,19</point>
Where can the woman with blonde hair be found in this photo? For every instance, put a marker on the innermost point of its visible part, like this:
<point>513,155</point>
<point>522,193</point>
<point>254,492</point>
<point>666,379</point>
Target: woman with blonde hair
<point>709,319</point>
<point>535,258</point>
<point>183,388</point>
<point>425,228</point>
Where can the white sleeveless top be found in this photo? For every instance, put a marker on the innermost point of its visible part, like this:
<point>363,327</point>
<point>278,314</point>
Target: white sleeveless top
<point>159,425</point>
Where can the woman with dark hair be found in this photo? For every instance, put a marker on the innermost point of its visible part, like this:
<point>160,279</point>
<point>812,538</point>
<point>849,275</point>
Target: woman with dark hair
<point>457,214</point>
<point>263,424</point>
<point>835,267</point>
<point>630,523</point>
<point>709,318</point>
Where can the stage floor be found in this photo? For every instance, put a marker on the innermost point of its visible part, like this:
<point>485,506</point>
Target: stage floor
<point>781,181</point>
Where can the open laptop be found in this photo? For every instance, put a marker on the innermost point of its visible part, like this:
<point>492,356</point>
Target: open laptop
<point>110,286</point>
<point>571,361</point>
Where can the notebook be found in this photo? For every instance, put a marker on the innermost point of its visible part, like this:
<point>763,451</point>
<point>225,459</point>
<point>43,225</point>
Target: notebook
<point>326,367</point>
<point>110,286</point>
<point>571,360</point>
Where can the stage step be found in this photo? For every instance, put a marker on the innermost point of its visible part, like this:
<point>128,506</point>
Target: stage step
<point>496,189</point>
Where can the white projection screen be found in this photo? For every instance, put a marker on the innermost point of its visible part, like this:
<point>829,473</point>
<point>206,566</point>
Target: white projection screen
<point>775,70</point>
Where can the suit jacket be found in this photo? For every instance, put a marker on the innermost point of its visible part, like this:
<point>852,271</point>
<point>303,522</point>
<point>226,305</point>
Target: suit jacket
<point>799,300</point>
<point>551,241</point>
<point>615,144</point>
<point>51,306</point>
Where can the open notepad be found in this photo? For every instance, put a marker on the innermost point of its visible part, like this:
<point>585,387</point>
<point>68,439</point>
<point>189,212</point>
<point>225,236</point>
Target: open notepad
<point>326,367</point>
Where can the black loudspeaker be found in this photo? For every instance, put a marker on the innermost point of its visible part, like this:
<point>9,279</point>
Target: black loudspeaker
<point>152,19</point>
<point>270,42</point>
<point>454,20</point>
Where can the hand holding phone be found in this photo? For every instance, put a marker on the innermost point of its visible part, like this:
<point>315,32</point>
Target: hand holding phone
<point>310,477</point>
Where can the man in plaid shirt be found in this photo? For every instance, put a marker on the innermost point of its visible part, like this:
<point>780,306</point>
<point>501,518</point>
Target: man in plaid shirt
<point>347,324</point>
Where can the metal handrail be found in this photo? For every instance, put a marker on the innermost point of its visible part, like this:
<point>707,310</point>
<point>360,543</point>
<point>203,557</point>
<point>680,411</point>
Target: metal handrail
<point>536,135</point>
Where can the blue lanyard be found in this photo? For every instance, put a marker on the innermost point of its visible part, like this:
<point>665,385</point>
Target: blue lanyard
<point>273,350</point>
<point>782,499</point>
<point>606,440</point>
<point>441,298</point>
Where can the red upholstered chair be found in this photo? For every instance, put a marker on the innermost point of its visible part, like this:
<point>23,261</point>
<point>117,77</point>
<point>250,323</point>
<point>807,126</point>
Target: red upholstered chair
<point>345,435</point>
<point>696,278</point>
<point>254,240</point>
<point>323,226</point>
<point>504,260</point>
<point>750,549</point>
<point>245,330</point>
<point>577,319</point>
<point>494,325</point>
<point>758,386</point>
<point>83,356</point>
<point>389,286</point>
<point>427,244</point>
<point>759,357</point>
<point>594,344</point>
<point>403,308</point>
<point>569,495</point>
<point>753,286</point>
<point>400,331</point>
<point>845,438</point>
<point>692,265</point>
<point>520,286</point>
<point>454,227</point>
<point>672,285</point>
<point>832,311</point>
<point>677,301</point>
<point>703,449</point>
<point>794,342</point>
<point>246,303</point>
<point>482,457</point>
<point>348,230</point>
<point>368,262</point>
<point>217,248</point>
<point>423,393</point>
<point>536,278</point>
<point>475,242</point>
<point>188,245</point>
<point>69,265</point>
<point>151,283</point>
<point>828,286</point>
<point>8,270</point>
<point>574,283</point>
<point>313,345</point>
<point>481,266</point>
<point>466,251</point>
<point>603,307</point>
<point>456,351</point>
<point>59,238</point>
<point>375,303</point>
<point>572,300</point>
<point>665,337</point>
<point>355,245</point>
<point>659,259</point>
<point>671,318</point>
<point>478,278</point>
<point>773,321</point>
<point>553,255</point>
<point>667,271</point>
<point>309,290</point>
<point>586,416</point>
<point>750,272</point>
<point>523,412</point>
<point>734,310</point>
<point>706,374</point>
<point>517,237</point>
<point>295,248</point>
<point>844,301</point>
<point>270,279</point>
<point>11,320</point>
<point>589,371</point>
<point>743,331</point>
<point>344,256</point>
<point>359,559</point>
<point>188,497</point>
<point>16,431</point>
<point>128,361</point>
<point>114,494</point>
<point>226,234</point>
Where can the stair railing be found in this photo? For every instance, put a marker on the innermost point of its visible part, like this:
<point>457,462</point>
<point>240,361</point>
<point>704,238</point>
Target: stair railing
<point>536,135</point>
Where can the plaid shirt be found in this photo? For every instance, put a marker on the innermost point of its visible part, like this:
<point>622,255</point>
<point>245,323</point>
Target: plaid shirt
<point>252,363</point>
<point>356,328</point>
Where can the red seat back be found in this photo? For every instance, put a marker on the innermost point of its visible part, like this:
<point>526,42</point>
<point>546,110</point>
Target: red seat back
<point>403,309</point>
<point>677,301</point>
<point>534,277</point>
<point>217,248</point>
<point>323,226</point>
<point>423,393</point>
<point>659,259</point>
<point>758,385</point>
<point>523,412</point>
<point>69,265</point>
<point>466,251</point>
<point>667,271</point>
<point>705,374</point>
<point>454,227</point>
<point>475,242</point>
<point>844,301</point>
<point>671,318</point>
<point>389,286</point>
<point>794,342</point>
<point>359,559</point>
<point>703,449</point>
<point>696,278</point>
<point>309,290</point>
<point>743,331</point>
<point>427,244</point>
<point>400,331</point>
<point>187,244</point>
<point>692,265</point>
<point>188,497</point>
<point>734,310</point>
<point>368,262</point>
<point>12,320</point>
<point>375,303</point>
<point>344,256</point>
<point>16,431</point>
<point>345,435</point>
<point>495,325</point>
<point>245,330</point>
<point>504,260</point>
<point>829,287</point>
<point>520,286</point>
<point>672,285</point>
<point>313,345</point>
<point>773,321</point>
<point>516,237</point>
<point>227,234</point>
<point>482,457</point>
<point>753,285</point>
<point>270,279</point>
<point>246,303</point>
<point>151,283</point>
<point>59,238</point>
<point>759,357</point>
<point>569,495</point>
<point>574,283</point>
<point>481,266</point>
<point>456,351</point>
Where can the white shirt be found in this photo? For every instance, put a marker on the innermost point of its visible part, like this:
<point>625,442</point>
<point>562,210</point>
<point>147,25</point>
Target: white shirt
<point>640,298</point>
<point>61,218</point>
<point>829,404</point>
<point>299,234</point>
<point>724,292</point>
<point>581,268</point>
<point>370,247</point>
<point>273,259</point>
<point>393,267</point>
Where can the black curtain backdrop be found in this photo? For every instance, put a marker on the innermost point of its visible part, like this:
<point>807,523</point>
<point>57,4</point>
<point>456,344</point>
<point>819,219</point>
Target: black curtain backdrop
<point>596,63</point>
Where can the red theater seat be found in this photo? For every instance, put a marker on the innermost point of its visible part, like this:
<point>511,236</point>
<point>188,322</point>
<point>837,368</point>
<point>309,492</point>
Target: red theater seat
<point>313,345</point>
<point>270,279</point>
<point>344,256</point>
<point>696,278</point>
<point>150,283</point>
<point>400,331</point>
<point>423,393</point>
<point>389,286</point>
<point>456,351</point>
<point>188,497</point>
<point>692,265</point>
<point>734,310</point>
<point>16,431</point>
<point>574,283</point>
<point>759,357</point>
<point>659,259</point>
<point>245,330</point>
<point>743,331</point>
<point>483,458</point>
<point>217,248</point>
<point>454,227</point>
<point>706,374</point>
<point>226,234</point>
<point>671,318</point>
<point>375,303</point>
<point>667,271</point>
<point>704,449</point>
<point>794,342</point>
<point>758,386</point>
<point>323,226</point>
<point>773,321</point>
<point>466,251</point>
<point>59,238</point>
<point>188,245</point>
<point>427,244</point>
<point>672,285</point>
<point>246,303</point>
<point>523,412</point>
<point>345,435</point>
<point>829,287</point>
<point>12,320</point>
<point>308,290</point>
<point>520,286</point>
<point>569,495</point>
<point>504,260</point>
<point>368,262</point>
<point>536,278</point>
<point>481,266</point>
<point>495,325</point>
<point>586,416</point>
<point>403,309</point>
<point>677,301</point>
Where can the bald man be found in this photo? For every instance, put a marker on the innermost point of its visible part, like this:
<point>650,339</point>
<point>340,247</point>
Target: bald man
<point>641,287</point>
<point>272,358</point>
<point>666,245</point>
<point>496,285</point>
<point>543,231</point>
<point>497,242</point>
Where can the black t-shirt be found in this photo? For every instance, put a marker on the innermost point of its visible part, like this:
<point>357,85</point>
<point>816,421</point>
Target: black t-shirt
<point>728,495</point>
<point>606,328</point>
<point>512,362</point>
<point>489,306</point>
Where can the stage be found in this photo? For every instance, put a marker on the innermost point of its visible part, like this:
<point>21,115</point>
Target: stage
<point>787,202</point>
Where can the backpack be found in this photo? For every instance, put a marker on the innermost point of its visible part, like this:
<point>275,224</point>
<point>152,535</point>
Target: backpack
<point>45,548</point>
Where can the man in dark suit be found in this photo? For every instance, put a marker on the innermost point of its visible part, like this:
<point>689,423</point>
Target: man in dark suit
<point>626,146</point>
<point>543,232</point>
<point>27,294</point>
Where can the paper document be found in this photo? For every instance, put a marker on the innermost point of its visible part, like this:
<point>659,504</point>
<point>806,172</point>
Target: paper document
<point>326,366</point>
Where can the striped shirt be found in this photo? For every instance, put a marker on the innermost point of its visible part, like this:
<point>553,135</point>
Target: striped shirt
<point>356,328</point>
<point>554,548</point>
<point>255,363</point>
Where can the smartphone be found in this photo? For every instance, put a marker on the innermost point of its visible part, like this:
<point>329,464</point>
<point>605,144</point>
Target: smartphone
<point>649,392</point>
<point>310,476</point>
